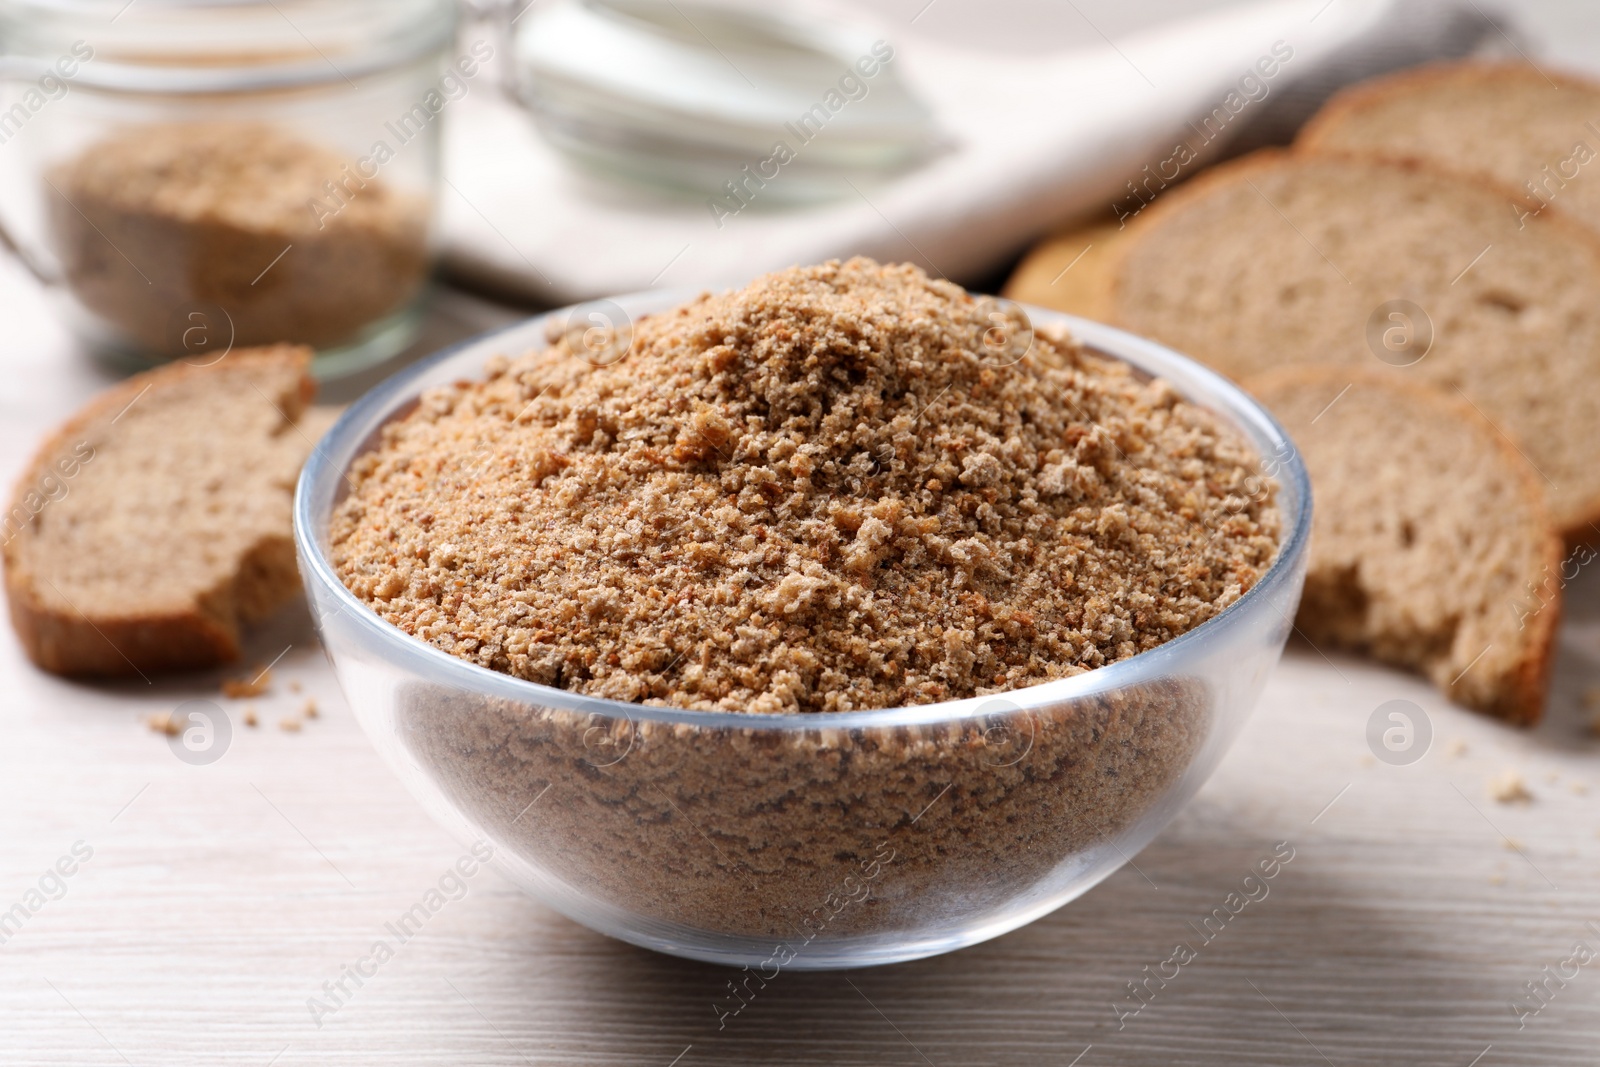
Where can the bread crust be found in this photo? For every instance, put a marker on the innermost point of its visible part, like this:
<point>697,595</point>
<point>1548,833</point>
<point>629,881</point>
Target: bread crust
<point>1351,101</point>
<point>78,644</point>
<point>1522,700</point>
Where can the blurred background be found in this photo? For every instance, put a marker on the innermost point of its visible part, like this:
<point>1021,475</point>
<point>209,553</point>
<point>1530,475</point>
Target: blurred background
<point>381,179</point>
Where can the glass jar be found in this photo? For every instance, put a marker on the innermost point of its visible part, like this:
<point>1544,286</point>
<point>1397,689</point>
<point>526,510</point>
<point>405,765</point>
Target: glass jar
<point>190,176</point>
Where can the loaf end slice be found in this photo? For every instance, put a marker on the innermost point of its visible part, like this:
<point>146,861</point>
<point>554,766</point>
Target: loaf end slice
<point>156,521</point>
<point>1432,547</point>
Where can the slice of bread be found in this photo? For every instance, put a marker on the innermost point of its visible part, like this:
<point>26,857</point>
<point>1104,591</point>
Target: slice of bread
<point>1067,272</point>
<point>157,519</point>
<point>1431,546</point>
<point>1535,133</point>
<point>1282,259</point>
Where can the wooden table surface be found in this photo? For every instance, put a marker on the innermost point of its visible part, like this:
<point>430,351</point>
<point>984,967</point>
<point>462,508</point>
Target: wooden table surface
<point>207,905</point>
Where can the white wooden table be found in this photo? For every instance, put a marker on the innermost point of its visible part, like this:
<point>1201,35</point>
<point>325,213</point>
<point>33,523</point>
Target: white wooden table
<point>218,899</point>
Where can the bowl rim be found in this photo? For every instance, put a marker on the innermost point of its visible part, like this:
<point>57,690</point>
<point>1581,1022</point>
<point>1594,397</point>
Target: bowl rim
<point>356,428</point>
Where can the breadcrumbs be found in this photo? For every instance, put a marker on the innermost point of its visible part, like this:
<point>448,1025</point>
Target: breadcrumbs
<point>1508,787</point>
<point>749,832</point>
<point>812,494</point>
<point>240,688</point>
<point>163,722</point>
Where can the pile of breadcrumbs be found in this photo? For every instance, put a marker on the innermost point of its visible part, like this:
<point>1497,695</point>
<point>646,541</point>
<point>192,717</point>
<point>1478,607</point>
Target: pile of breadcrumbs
<point>816,493</point>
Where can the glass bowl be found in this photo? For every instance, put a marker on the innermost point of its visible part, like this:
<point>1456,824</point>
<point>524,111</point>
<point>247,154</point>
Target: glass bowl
<point>774,841</point>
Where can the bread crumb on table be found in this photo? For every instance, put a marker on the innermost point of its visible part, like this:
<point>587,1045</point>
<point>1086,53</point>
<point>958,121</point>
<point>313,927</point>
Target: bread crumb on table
<point>309,709</point>
<point>1508,787</point>
<point>163,722</point>
<point>1456,747</point>
<point>239,688</point>
<point>250,717</point>
<point>289,724</point>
